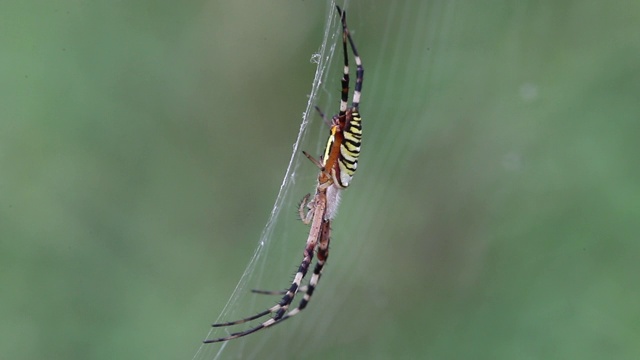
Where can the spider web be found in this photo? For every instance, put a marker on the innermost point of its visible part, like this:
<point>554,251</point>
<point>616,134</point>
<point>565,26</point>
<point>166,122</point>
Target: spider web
<point>279,226</point>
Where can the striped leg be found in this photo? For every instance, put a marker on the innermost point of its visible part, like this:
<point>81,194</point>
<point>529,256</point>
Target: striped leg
<point>317,232</point>
<point>345,74</point>
<point>279,309</point>
<point>323,254</point>
<point>359,69</point>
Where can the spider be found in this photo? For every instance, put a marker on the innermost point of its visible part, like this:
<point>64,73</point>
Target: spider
<point>337,166</point>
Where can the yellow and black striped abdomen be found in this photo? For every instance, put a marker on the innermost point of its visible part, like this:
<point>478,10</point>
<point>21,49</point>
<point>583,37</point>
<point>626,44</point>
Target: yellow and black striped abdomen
<point>350,147</point>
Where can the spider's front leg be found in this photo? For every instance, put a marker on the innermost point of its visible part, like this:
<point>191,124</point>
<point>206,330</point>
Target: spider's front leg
<point>324,238</point>
<point>318,232</point>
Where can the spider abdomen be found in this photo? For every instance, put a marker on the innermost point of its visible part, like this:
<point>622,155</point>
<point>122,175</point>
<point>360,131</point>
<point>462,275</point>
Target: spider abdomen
<point>350,148</point>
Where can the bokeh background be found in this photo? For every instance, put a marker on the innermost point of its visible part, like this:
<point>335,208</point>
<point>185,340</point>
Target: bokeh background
<point>494,214</point>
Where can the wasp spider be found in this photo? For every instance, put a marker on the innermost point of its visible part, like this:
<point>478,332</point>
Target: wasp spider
<point>337,166</point>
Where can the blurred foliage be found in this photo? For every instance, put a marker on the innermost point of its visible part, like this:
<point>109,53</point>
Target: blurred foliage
<point>494,214</point>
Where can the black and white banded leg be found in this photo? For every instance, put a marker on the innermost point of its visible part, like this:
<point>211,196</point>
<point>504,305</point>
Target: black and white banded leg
<point>323,254</point>
<point>319,229</point>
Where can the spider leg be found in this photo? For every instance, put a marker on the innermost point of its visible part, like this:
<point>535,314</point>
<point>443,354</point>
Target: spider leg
<point>359,69</point>
<point>326,120</point>
<point>276,292</point>
<point>316,233</point>
<point>324,185</point>
<point>323,254</point>
<point>279,309</point>
<point>345,77</point>
<point>313,160</point>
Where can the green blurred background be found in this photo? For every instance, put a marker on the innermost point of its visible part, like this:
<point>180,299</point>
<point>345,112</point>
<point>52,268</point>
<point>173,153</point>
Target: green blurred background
<point>494,214</point>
